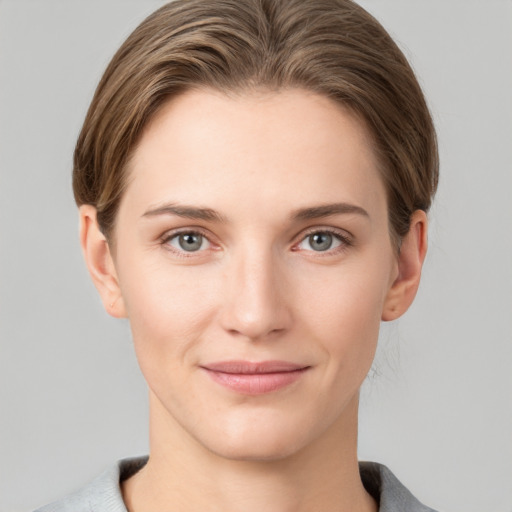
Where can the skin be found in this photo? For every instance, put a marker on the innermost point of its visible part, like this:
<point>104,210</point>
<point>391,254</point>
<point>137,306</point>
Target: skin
<point>257,289</point>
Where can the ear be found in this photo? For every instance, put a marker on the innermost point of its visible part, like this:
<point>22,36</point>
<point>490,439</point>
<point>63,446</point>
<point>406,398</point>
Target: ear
<point>410,262</point>
<point>100,263</point>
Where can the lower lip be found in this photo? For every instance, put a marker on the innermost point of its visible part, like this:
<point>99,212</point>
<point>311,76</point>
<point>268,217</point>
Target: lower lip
<point>255,383</point>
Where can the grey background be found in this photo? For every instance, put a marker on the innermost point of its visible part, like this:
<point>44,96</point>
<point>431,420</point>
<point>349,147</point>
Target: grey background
<point>437,408</point>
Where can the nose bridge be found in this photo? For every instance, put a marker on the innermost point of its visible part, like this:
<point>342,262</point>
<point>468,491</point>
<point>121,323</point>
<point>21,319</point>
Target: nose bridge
<point>254,305</point>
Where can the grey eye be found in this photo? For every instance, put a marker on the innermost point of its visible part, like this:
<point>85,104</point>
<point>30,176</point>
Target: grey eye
<point>320,241</point>
<point>189,242</point>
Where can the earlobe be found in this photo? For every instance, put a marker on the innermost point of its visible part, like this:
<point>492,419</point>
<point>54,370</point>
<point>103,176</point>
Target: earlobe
<point>100,263</point>
<point>410,262</point>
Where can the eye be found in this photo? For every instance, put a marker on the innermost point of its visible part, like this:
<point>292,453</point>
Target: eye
<point>322,241</point>
<point>189,241</point>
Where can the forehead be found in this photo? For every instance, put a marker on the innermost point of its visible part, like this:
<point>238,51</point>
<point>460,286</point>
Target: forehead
<point>261,147</point>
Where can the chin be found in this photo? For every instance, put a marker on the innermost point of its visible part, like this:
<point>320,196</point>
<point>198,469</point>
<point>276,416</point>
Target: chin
<point>264,440</point>
<point>262,450</point>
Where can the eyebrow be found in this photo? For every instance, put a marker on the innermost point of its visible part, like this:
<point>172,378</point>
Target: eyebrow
<point>208,214</point>
<point>188,212</point>
<point>317,212</point>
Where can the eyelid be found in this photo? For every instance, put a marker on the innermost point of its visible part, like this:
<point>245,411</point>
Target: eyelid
<point>193,230</point>
<point>342,235</point>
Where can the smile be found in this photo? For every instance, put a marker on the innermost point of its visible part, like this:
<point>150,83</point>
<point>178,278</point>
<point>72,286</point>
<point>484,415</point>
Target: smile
<point>254,378</point>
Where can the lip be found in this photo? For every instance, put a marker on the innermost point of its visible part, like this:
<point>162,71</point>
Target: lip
<point>254,378</point>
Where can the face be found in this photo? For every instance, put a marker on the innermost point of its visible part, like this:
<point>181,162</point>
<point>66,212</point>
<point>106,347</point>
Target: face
<point>254,262</point>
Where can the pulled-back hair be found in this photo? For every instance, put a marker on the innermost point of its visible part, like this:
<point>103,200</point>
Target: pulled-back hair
<point>331,47</point>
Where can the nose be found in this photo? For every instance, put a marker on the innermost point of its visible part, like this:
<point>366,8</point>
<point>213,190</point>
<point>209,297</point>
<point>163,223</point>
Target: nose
<point>254,304</point>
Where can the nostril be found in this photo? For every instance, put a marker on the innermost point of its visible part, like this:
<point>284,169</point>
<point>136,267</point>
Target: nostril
<point>259,323</point>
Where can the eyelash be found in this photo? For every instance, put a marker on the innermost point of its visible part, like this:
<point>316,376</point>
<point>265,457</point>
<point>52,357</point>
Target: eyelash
<point>343,237</point>
<point>165,239</point>
<point>345,240</point>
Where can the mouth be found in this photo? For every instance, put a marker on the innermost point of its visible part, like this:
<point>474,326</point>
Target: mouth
<point>254,378</point>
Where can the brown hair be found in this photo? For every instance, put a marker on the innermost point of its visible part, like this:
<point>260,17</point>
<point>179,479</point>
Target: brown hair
<point>332,47</point>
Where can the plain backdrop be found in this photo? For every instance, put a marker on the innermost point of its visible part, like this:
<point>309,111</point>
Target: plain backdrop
<point>437,408</point>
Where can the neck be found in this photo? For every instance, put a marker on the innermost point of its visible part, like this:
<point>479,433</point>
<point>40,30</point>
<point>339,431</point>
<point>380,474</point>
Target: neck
<point>324,476</point>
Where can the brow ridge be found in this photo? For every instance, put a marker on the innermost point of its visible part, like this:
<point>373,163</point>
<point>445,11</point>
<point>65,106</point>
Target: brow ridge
<point>208,214</point>
<point>185,211</point>
<point>316,212</point>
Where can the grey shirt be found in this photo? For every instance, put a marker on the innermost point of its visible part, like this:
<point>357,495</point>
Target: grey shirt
<point>104,493</point>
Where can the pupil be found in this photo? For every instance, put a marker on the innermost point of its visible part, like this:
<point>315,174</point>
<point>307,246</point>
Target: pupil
<point>190,242</point>
<point>320,241</point>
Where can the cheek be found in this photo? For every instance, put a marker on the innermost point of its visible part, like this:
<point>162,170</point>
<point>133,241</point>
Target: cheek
<point>344,312</point>
<point>168,307</point>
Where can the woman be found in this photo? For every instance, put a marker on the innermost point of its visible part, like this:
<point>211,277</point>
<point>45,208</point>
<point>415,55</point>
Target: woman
<point>253,179</point>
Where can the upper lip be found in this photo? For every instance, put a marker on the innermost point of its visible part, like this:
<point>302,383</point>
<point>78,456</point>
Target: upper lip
<point>248,367</point>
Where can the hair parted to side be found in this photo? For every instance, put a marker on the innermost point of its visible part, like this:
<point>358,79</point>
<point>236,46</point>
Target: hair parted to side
<point>331,47</point>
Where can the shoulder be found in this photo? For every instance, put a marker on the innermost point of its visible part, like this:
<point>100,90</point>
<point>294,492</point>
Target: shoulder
<point>389,492</point>
<point>101,495</point>
<point>104,493</point>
